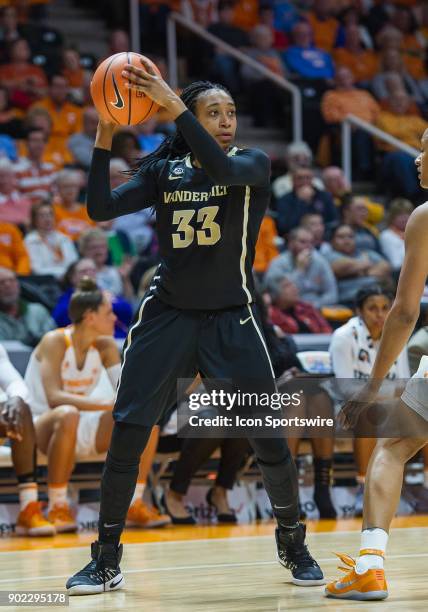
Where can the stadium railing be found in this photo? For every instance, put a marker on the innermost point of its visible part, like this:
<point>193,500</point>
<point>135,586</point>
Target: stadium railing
<point>176,18</point>
<point>352,120</point>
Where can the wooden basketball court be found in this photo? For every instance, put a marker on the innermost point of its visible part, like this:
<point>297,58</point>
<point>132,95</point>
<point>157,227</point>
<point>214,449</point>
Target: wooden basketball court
<point>218,568</point>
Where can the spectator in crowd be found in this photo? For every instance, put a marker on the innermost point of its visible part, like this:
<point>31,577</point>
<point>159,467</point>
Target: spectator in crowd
<point>71,217</point>
<point>354,269</point>
<point>40,118</point>
<point>267,18</point>
<point>76,271</point>
<point>302,200</point>
<point>286,15</point>
<point>390,37</point>
<point>20,320</point>
<point>398,167</point>
<point>267,245</point>
<point>246,14</point>
<point>362,62</point>
<point>73,72</point>
<point>66,117</point>
<point>10,28</point>
<point>351,15</point>
<point>344,100</point>
<point>51,252</point>
<point>324,25</point>
<point>10,116</point>
<point>120,248</point>
<point>16,424</point>
<point>126,146</point>
<point>306,268</point>
<point>313,223</point>
<point>353,350</point>
<point>267,108</point>
<point>14,207</point>
<point>137,226</point>
<point>224,68</point>
<point>303,59</point>
<point>73,418</point>
<point>25,81</point>
<point>392,238</point>
<point>355,213</point>
<point>412,48</point>
<point>297,155</point>
<point>393,77</point>
<point>13,254</point>
<point>338,186</point>
<point>148,138</point>
<point>34,176</point>
<point>291,314</point>
<point>81,144</point>
<point>93,245</point>
<point>119,42</point>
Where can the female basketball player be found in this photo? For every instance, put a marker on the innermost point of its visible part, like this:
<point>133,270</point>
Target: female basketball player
<point>353,350</point>
<point>365,579</point>
<point>64,369</point>
<point>198,315</point>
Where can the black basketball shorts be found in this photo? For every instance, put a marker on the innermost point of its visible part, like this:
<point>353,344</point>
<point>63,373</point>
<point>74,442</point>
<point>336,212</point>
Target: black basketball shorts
<point>165,344</point>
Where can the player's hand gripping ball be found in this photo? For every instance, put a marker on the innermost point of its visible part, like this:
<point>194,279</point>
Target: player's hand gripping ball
<point>114,101</point>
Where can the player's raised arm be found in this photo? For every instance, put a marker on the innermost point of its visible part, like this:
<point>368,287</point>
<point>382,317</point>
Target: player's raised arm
<point>209,134</point>
<point>102,203</point>
<point>404,313</point>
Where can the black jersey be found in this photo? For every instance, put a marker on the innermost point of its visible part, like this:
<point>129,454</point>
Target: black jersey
<point>207,218</point>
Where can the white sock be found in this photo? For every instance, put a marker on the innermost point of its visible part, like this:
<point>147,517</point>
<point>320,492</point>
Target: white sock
<point>139,491</point>
<point>426,479</point>
<point>27,494</point>
<point>375,539</point>
<point>57,495</point>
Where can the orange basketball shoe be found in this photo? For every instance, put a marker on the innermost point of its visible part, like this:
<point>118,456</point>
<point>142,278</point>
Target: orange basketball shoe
<point>31,522</point>
<point>363,587</point>
<point>61,516</point>
<point>140,515</point>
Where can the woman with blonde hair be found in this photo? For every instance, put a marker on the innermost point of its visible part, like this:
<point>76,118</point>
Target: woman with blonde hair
<point>392,238</point>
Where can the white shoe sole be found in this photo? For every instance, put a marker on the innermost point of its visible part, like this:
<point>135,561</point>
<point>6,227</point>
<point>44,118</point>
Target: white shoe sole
<point>303,583</point>
<point>118,582</point>
<point>35,531</point>
<point>357,596</point>
<point>66,528</point>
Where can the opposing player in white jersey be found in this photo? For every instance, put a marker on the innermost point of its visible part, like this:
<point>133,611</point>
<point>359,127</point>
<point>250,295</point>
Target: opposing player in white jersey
<point>365,578</point>
<point>71,422</point>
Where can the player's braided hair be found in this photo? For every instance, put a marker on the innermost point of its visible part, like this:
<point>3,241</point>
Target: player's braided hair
<point>174,147</point>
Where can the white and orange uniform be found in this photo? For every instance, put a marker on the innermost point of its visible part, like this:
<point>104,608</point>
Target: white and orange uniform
<point>80,382</point>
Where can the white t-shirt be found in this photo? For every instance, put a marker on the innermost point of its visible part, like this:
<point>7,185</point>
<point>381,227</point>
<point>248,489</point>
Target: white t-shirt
<point>353,353</point>
<point>11,382</point>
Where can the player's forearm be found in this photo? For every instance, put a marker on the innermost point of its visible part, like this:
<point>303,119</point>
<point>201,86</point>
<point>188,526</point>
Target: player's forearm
<point>223,170</point>
<point>396,333</point>
<point>59,398</point>
<point>104,137</point>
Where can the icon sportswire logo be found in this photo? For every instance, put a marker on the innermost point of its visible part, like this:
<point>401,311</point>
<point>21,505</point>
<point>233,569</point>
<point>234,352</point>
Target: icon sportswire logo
<point>119,100</point>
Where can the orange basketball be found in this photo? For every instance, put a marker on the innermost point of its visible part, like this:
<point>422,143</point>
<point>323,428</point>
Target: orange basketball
<point>113,101</point>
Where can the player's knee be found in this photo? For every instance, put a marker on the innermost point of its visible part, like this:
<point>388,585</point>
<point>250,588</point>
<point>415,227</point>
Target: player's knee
<point>67,417</point>
<point>402,449</point>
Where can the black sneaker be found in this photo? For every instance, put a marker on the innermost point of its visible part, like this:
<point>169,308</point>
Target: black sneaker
<point>101,574</point>
<point>294,555</point>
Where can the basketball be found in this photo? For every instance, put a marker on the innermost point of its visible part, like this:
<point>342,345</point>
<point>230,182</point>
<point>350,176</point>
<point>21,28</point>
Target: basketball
<point>112,99</point>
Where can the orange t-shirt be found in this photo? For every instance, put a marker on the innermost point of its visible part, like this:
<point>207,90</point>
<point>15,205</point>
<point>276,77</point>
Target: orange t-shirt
<point>265,246</point>
<point>324,32</point>
<point>16,76</point>
<point>66,121</point>
<point>246,14</point>
<point>72,223</point>
<point>335,105</point>
<point>363,65</point>
<point>56,153</point>
<point>13,253</point>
